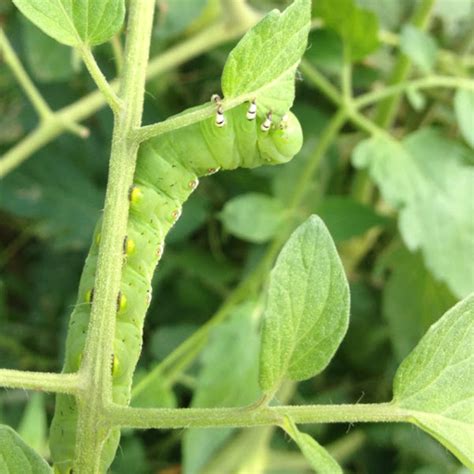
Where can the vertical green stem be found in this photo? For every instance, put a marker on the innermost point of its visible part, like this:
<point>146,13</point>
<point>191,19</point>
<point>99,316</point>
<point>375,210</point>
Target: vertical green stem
<point>117,51</point>
<point>362,187</point>
<point>95,372</point>
<point>325,140</point>
<point>347,75</point>
<point>320,82</point>
<point>388,108</point>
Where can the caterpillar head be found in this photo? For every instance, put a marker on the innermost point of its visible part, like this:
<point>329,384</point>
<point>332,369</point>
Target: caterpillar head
<point>282,143</point>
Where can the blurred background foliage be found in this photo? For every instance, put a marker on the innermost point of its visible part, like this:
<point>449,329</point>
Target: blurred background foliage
<point>49,205</point>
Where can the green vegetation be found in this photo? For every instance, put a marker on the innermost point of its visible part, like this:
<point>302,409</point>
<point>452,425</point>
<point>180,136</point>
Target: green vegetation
<point>291,301</point>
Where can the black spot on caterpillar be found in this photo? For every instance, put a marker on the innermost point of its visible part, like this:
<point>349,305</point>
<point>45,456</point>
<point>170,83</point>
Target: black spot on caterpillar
<point>167,171</point>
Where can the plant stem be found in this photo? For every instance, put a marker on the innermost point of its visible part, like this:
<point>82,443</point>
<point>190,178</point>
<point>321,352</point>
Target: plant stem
<point>39,104</point>
<point>347,75</point>
<point>423,83</point>
<point>237,11</point>
<point>319,81</point>
<point>325,139</point>
<point>362,187</point>
<point>46,132</point>
<point>117,51</point>
<point>99,78</point>
<point>42,381</point>
<point>99,341</point>
<point>11,59</point>
<point>183,355</point>
<point>186,352</point>
<point>165,418</point>
<point>388,109</point>
<point>196,115</point>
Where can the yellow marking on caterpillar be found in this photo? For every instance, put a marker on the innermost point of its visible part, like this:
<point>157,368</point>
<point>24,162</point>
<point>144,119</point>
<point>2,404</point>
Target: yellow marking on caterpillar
<point>115,366</point>
<point>128,246</point>
<point>121,302</point>
<point>89,296</point>
<point>79,361</point>
<point>135,195</point>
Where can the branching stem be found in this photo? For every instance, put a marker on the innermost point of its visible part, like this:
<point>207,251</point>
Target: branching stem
<point>46,115</point>
<point>210,37</point>
<point>164,418</point>
<point>95,369</point>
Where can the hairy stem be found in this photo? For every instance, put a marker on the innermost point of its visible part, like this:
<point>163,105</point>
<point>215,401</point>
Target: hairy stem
<point>99,78</point>
<point>46,132</point>
<point>165,418</point>
<point>42,381</point>
<point>117,51</point>
<point>99,342</point>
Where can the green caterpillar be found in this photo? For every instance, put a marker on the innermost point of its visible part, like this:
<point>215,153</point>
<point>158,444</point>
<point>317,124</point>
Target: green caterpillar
<point>168,168</point>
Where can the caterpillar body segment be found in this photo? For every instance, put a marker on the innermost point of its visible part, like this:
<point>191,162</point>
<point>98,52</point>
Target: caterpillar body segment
<point>168,170</point>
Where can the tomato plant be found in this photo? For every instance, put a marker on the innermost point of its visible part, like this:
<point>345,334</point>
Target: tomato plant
<point>318,204</point>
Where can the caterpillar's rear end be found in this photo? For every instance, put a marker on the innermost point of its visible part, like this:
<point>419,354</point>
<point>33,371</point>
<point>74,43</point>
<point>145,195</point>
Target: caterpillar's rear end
<point>167,172</point>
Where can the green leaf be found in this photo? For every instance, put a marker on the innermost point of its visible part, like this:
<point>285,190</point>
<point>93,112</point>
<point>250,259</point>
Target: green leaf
<point>253,217</point>
<point>357,27</point>
<point>17,457</point>
<point>75,22</point>
<point>464,108</point>
<point>321,461</point>
<point>307,310</point>
<point>419,46</point>
<point>346,218</point>
<point>435,381</point>
<point>427,177</point>
<point>228,378</point>
<point>412,301</point>
<point>278,41</point>
<point>33,427</point>
<point>48,60</point>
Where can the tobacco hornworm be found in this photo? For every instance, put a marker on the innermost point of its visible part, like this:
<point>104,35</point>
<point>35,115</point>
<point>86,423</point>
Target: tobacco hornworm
<point>168,168</point>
